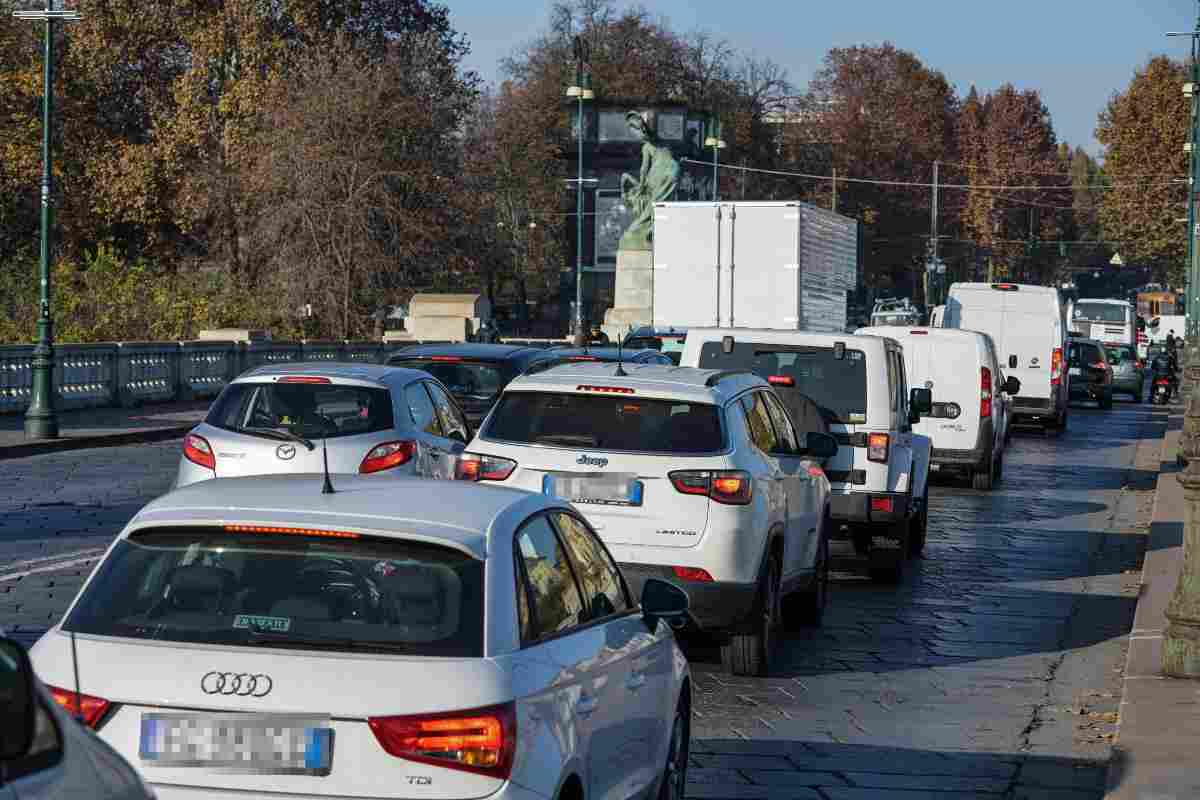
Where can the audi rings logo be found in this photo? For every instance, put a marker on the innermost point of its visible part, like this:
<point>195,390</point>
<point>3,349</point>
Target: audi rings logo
<point>242,684</point>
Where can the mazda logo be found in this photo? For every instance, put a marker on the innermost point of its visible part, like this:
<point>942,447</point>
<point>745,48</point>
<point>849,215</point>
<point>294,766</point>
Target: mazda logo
<point>286,452</point>
<point>588,461</point>
<point>242,684</point>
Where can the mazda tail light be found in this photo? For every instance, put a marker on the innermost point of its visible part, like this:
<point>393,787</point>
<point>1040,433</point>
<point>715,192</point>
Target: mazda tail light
<point>197,450</point>
<point>477,467</point>
<point>729,487</point>
<point>985,393</point>
<point>877,447</point>
<point>1056,366</point>
<point>387,456</point>
<point>481,740</point>
<point>83,707</point>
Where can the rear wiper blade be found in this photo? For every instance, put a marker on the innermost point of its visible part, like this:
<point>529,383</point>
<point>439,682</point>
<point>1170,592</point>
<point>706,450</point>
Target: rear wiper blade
<point>283,436</point>
<point>268,639</point>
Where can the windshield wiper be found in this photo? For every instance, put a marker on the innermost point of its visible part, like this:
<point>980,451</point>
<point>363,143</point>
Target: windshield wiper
<point>268,639</point>
<point>283,436</point>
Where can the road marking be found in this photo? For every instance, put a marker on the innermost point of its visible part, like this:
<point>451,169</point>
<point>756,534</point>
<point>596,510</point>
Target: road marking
<point>34,566</point>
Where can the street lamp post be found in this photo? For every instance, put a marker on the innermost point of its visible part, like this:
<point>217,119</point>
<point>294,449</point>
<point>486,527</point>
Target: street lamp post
<point>582,90</point>
<point>41,420</point>
<point>717,144</point>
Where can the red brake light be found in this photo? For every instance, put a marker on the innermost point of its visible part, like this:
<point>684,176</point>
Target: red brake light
<point>877,447</point>
<point>781,380</point>
<point>728,487</point>
<point>985,393</point>
<point>607,389</point>
<point>1005,287</point>
<point>481,740</point>
<point>1098,365</point>
<point>386,456</point>
<point>919,333</point>
<point>445,358</point>
<point>692,574</point>
<point>84,707</point>
<point>582,358</point>
<point>883,504</point>
<point>291,531</point>
<point>1056,366</point>
<point>476,467</point>
<point>197,450</point>
<point>303,379</point>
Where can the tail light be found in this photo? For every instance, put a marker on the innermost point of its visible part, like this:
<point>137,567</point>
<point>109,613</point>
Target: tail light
<point>877,447</point>
<point>387,456</point>
<point>692,574</point>
<point>83,707</point>
<point>985,393</point>
<point>1141,364</point>
<point>1163,382</point>
<point>476,467</point>
<point>882,504</point>
<point>730,487</point>
<point>197,450</point>
<point>1056,367</point>
<point>481,740</point>
<point>781,380</point>
<point>303,379</point>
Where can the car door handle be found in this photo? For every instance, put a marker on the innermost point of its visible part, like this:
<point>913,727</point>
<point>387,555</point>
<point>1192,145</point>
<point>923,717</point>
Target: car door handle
<point>437,453</point>
<point>636,681</point>
<point>586,706</point>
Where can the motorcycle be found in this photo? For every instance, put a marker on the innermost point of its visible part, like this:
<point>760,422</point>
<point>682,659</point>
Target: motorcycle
<point>1162,391</point>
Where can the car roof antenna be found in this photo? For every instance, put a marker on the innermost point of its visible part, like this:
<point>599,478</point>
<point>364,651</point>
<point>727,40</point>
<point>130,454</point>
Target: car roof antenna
<point>75,669</point>
<point>327,488</point>
<point>620,373</point>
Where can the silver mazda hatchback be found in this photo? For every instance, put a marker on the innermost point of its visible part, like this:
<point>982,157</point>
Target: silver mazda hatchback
<point>359,418</point>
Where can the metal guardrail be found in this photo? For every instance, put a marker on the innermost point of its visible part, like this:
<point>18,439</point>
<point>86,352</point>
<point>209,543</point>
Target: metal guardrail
<point>133,373</point>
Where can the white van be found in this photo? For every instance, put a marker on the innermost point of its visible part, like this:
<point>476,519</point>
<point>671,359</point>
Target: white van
<point>971,398</point>
<point>1029,328</point>
<point>857,389</point>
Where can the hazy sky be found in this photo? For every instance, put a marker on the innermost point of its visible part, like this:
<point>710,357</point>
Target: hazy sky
<point>1077,53</point>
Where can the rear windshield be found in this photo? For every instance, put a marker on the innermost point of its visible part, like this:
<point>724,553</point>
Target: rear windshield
<point>1100,312</point>
<point>217,586</point>
<point>1083,353</point>
<point>837,386</point>
<point>466,380</point>
<point>610,422</point>
<point>313,410</point>
<point>1120,355</point>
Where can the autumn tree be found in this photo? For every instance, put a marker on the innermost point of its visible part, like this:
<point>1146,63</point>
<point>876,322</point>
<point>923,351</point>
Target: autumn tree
<point>1143,130</point>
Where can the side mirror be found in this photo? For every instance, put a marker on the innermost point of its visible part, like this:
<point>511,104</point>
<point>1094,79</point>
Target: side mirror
<point>18,701</point>
<point>1012,386</point>
<point>664,600</point>
<point>820,445</point>
<point>920,401</point>
<point>457,436</point>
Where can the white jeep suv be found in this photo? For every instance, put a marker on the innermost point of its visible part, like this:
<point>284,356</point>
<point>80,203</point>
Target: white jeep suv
<point>694,476</point>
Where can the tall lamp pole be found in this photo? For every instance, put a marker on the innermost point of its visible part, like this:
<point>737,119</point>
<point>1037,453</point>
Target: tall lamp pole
<point>41,420</point>
<point>581,89</point>
<point>717,144</point>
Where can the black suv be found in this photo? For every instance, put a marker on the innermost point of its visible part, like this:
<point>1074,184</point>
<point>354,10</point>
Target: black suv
<point>1089,372</point>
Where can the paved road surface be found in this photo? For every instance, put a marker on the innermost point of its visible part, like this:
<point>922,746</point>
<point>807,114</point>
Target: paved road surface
<point>992,672</point>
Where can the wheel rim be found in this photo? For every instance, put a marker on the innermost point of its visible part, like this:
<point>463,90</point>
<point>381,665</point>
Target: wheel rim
<point>675,779</point>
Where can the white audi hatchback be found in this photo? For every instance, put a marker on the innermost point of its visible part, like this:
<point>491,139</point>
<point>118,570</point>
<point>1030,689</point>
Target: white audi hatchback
<point>419,639</point>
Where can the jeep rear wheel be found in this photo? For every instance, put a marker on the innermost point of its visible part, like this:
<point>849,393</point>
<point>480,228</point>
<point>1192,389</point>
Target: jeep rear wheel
<point>749,652</point>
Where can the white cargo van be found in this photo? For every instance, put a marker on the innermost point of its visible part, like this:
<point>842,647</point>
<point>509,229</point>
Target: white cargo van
<point>857,384</point>
<point>1029,328</point>
<point>971,398</point>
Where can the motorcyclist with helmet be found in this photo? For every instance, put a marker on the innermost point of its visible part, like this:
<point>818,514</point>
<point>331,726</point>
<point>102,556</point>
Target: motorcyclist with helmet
<point>1166,364</point>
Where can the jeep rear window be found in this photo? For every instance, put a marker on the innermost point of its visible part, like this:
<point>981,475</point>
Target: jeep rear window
<point>608,422</point>
<point>837,386</point>
<point>217,586</point>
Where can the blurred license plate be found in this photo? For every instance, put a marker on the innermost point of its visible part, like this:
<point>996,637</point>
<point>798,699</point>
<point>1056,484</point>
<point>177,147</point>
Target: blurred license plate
<point>1073,371</point>
<point>275,744</point>
<point>616,489</point>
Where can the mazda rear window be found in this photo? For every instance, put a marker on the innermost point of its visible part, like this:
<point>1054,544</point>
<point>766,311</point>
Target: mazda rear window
<point>312,410</point>
<point>466,380</point>
<point>607,422</point>
<point>288,590</point>
<point>837,385</point>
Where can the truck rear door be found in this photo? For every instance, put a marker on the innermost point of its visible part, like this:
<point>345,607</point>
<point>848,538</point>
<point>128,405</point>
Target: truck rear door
<point>685,276</point>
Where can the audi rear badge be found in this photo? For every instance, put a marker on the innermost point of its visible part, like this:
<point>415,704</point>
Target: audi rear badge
<point>240,684</point>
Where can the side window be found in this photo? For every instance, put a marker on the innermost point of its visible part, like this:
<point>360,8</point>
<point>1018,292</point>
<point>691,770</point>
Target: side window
<point>783,424</point>
<point>524,617</point>
<point>758,420</point>
<point>423,414</point>
<point>555,601</point>
<point>903,398</point>
<point>893,379</point>
<point>448,414</point>
<point>598,575</point>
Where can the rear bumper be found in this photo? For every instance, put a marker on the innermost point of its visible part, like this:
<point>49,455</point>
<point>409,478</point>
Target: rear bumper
<point>977,457</point>
<point>714,605</point>
<point>1036,406</point>
<point>856,508</point>
<point>1091,390</point>
<point>1128,384</point>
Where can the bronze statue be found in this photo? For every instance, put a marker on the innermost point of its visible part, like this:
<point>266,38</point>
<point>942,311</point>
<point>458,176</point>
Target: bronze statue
<point>656,183</point>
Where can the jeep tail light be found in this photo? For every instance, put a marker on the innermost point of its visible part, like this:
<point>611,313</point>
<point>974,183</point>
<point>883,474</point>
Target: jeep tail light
<point>1056,366</point>
<point>692,574</point>
<point>877,447</point>
<point>481,740</point>
<point>730,487</point>
<point>83,707</point>
<point>477,467</point>
<point>197,450</point>
<point>985,393</point>
<point>882,504</point>
<point>386,456</point>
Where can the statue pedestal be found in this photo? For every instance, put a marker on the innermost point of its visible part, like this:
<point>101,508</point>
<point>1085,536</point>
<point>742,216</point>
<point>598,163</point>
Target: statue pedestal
<point>633,295</point>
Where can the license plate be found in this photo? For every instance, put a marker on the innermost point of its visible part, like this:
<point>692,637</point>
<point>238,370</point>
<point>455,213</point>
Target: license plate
<point>1073,371</point>
<point>275,744</point>
<point>616,489</point>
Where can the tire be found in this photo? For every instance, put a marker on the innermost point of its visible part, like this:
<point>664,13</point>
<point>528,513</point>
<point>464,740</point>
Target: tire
<point>674,778</point>
<point>807,609</point>
<point>982,480</point>
<point>920,530</point>
<point>1137,398</point>
<point>1106,402</point>
<point>893,571</point>
<point>749,652</point>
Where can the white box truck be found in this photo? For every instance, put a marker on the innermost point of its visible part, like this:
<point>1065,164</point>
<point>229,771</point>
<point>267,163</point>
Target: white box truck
<point>753,265</point>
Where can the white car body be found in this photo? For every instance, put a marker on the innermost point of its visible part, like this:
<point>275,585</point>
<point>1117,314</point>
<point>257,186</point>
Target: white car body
<point>1029,329</point>
<point>1157,328</point>
<point>594,702</point>
<point>962,370</point>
